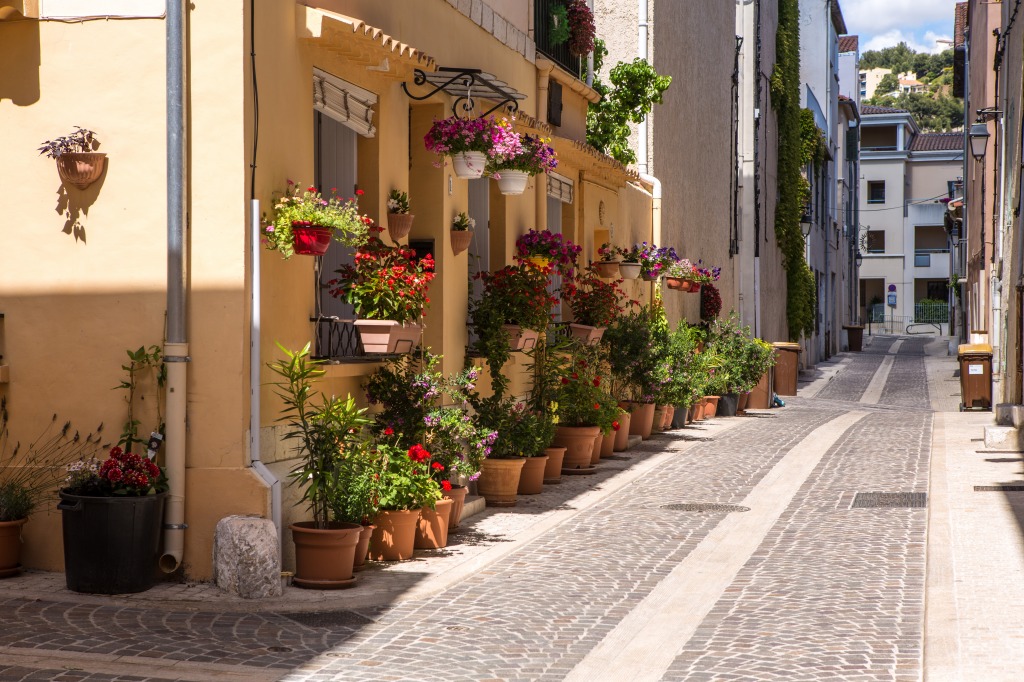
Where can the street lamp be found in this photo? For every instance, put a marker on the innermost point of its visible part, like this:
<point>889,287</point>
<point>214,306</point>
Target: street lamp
<point>859,258</point>
<point>979,140</point>
<point>805,225</point>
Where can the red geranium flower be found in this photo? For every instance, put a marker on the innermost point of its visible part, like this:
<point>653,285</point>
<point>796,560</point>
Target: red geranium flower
<point>597,381</point>
<point>446,485</point>
<point>564,381</point>
<point>615,426</point>
<point>437,466</point>
<point>389,431</point>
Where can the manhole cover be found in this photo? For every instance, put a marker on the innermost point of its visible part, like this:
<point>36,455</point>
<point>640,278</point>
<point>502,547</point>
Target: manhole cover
<point>705,507</point>
<point>279,649</point>
<point>890,501</point>
<point>457,628</point>
<point>333,654</point>
<point>329,619</point>
<point>998,488</point>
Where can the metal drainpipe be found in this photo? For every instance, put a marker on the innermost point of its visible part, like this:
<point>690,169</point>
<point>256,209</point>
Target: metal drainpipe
<point>176,346</point>
<point>642,43</point>
<point>590,55</point>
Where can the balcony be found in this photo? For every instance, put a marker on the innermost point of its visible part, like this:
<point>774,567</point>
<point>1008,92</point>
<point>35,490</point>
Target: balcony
<point>923,257</point>
<point>542,37</point>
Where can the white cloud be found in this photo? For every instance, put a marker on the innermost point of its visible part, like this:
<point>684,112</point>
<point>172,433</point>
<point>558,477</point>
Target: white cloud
<point>925,43</point>
<point>875,17</point>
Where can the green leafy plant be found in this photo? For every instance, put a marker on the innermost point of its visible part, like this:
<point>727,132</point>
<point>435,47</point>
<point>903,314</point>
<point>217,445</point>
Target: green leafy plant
<point>463,222</point>
<point>142,364</point>
<point>81,140</point>
<point>595,302</point>
<point>329,435</point>
<point>28,476</point>
<point>405,478</point>
<point>636,343</point>
<point>398,202</point>
<point>635,88</point>
<point>559,31</point>
<point>385,282</point>
<point>310,208</point>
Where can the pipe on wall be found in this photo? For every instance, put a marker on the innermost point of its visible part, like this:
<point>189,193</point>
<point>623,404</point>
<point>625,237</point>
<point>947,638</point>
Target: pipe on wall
<point>176,345</point>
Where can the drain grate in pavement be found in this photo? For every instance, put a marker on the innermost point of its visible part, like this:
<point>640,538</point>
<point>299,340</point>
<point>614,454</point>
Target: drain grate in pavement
<point>705,507</point>
<point>890,501</point>
<point>329,619</point>
<point>998,488</point>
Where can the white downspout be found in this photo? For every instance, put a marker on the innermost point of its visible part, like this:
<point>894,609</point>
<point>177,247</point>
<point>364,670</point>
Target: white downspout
<point>642,52</point>
<point>176,346</point>
<point>590,55</point>
<point>255,365</point>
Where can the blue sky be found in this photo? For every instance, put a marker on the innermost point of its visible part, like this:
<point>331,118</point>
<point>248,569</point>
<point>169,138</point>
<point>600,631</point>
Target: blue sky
<point>883,23</point>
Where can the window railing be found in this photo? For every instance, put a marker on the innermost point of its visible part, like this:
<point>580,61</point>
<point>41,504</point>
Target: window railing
<point>542,37</point>
<point>923,257</point>
<point>337,340</point>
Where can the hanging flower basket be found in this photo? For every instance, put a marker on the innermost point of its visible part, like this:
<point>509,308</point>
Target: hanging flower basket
<point>512,183</point>
<point>80,169</point>
<point>469,165</point>
<point>310,240</point>
<point>629,270</point>
<point>607,269</point>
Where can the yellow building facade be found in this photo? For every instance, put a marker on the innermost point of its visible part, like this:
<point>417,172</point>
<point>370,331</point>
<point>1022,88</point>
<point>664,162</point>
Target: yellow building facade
<point>83,272</point>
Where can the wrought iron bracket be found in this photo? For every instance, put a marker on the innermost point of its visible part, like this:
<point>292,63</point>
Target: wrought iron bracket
<point>466,85</point>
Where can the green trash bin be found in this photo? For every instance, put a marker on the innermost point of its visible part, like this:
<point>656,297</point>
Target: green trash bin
<point>975,376</point>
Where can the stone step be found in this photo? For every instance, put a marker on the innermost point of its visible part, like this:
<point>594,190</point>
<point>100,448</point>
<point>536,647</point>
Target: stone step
<point>1003,438</point>
<point>474,505</point>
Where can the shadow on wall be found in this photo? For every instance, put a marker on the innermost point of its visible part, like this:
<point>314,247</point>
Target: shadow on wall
<point>73,203</point>
<point>19,61</point>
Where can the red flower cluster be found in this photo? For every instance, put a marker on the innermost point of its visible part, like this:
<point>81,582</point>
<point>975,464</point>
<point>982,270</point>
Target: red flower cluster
<point>385,282</point>
<point>418,453</point>
<point>129,472</point>
<point>520,295</point>
<point>446,485</point>
<point>615,426</point>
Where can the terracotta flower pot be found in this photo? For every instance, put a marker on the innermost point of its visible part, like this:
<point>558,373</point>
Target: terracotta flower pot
<point>519,338</point>
<point>458,497</point>
<point>310,240</point>
<point>395,535</point>
<point>512,182</point>
<point>742,406</point>
<point>659,419</point>
<point>461,239</point>
<point>578,442</point>
<point>677,284</point>
<point>710,405</point>
<point>388,336</point>
<point>587,335</point>
<point>607,269</point>
<point>622,435</point>
<point>670,413</point>
<point>399,225</point>
<point>698,410</point>
<point>595,454</point>
<point>553,468</point>
<point>531,479</point>
<point>608,443</point>
<point>499,481</point>
<point>432,527</point>
<point>469,165</point>
<point>641,420</point>
<point>80,169</point>
<point>10,547</point>
<point>325,557</point>
<point>362,547</point>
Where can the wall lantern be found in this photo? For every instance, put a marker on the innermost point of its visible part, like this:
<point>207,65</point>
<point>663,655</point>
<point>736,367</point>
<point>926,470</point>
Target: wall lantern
<point>859,258</point>
<point>979,140</point>
<point>805,225</point>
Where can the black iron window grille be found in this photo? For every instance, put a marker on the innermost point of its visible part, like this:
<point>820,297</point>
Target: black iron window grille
<point>543,25</point>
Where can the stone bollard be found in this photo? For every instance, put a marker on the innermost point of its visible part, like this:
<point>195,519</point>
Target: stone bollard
<point>247,557</point>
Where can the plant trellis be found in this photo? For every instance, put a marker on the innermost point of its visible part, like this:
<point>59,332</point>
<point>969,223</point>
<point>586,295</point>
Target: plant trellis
<point>467,85</point>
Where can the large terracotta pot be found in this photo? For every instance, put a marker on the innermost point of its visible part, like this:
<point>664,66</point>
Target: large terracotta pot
<point>622,435</point>
<point>531,479</point>
<point>469,165</point>
<point>608,444</point>
<point>10,547</point>
<point>388,336</point>
<point>325,557</point>
<point>399,225</point>
<point>553,467</point>
<point>578,442</point>
<point>395,535</point>
<point>641,420</point>
<point>499,481</point>
<point>670,412</point>
<point>432,527</point>
<point>659,418</point>
<point>362,547</point>
<point>519,338</point>
<point>595,454</point>
<point>458,497</point>
<point>742,406</point>
<point>761,397</point>
<point>710,405</point>
<point>698,410</point>
<point>461,239</point>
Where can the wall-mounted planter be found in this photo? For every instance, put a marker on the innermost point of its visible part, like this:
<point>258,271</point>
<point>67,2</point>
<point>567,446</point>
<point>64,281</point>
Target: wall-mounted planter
<point>399,225</point>
<point>80,169</point>
<point>461,240</point>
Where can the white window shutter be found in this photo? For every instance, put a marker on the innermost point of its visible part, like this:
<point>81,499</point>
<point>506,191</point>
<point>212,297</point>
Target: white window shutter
<point>346,103</point>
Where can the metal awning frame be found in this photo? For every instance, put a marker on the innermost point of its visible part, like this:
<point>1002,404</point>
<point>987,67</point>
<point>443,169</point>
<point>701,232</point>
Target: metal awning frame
<point>466,85</point>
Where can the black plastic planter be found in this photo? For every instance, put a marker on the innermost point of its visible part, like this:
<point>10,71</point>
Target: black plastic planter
<point>111,544</point>
<point>727,405</point>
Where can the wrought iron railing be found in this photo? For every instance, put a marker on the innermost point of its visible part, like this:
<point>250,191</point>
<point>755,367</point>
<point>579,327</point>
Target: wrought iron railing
<point>337,340</point>
<point>542,26</point>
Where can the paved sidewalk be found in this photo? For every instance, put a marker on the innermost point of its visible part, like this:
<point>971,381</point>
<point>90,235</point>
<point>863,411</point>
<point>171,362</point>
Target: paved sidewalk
<point>600,578</point>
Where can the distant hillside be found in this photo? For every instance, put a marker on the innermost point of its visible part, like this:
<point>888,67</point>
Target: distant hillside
<point>935,110</point>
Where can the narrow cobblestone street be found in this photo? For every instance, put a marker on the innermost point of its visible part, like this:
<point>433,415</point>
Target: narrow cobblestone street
<point>805,579</point>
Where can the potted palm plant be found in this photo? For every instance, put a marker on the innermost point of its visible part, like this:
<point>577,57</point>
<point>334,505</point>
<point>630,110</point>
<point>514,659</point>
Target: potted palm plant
<point>78,162</point>
<point>305,222</point>
<point>388,287</point>
<point>331,458</point>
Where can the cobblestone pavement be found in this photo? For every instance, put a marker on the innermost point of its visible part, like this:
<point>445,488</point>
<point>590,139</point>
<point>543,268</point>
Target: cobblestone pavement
<point>830,593</point>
